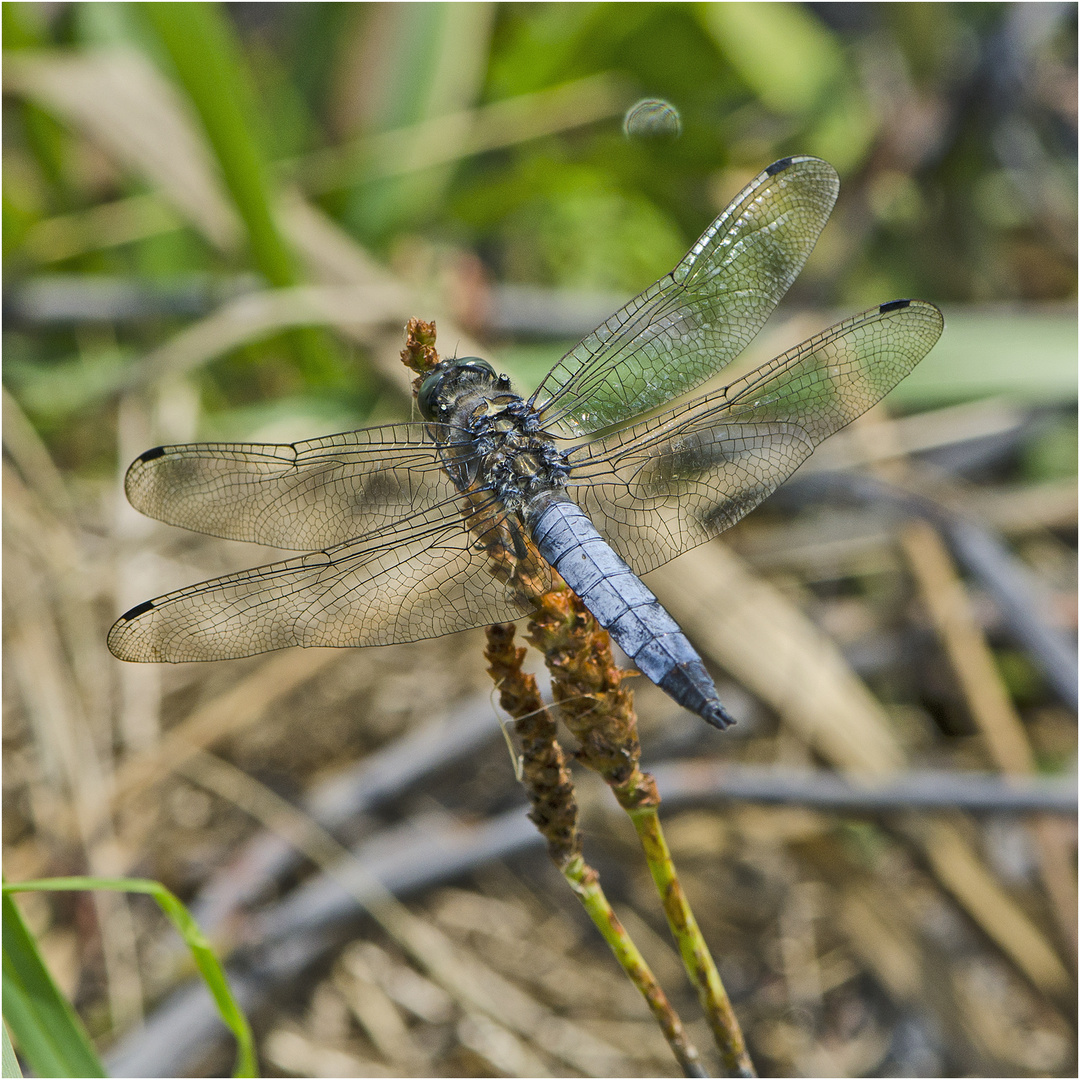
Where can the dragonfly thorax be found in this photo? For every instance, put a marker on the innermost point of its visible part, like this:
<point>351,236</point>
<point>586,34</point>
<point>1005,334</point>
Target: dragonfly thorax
<point>491,437</point>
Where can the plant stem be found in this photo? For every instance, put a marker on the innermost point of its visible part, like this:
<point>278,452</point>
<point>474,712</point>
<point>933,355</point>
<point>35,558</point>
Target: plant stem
<point>695,954</point>
<point>546,776</point>
<point>600,713</point>
<point>585,883</point>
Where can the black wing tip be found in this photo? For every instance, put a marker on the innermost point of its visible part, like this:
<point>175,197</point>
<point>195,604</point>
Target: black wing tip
<point>779,166</point>
<point>149,455</point>
<point>927,310</point>
<point>136,611</point>
<point>791,160</point>
<point>893,305</point>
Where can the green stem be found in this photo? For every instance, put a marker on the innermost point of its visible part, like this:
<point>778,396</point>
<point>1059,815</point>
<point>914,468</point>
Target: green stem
<point>585,883</point>
<point>692,948</point>
<point>546,776</point>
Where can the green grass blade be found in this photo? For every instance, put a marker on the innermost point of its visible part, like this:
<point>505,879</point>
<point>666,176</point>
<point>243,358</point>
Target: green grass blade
<point>10,1061</point>
<point>49,1033</point>
<point>208,964</point>
<point>209,63</point>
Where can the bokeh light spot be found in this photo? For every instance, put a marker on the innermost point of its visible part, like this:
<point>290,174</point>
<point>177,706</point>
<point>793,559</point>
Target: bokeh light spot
<point>652,118</point>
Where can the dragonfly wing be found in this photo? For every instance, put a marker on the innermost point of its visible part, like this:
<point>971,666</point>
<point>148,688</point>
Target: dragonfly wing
<point>419,578</point>
<point>670,483</point>
<point>693,322</point>
<point>655,504</point>
<point>299,496</point>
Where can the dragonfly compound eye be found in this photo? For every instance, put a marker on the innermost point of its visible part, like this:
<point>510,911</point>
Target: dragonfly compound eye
<point>429,388</point>
<point>474,363</point>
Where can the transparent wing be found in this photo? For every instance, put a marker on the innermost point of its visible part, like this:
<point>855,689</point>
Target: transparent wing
<point>424,576</point>
<point>299,496</point>
<point>693,322</point>
<point>670,483</point>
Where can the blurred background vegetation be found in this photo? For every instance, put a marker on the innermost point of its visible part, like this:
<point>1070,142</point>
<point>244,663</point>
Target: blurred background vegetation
<point>952,126</point>
<point>217,219</point>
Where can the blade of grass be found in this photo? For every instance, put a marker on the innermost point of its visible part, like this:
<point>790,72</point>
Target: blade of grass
<point>132,113</point>
<point>989,703</point>
<point>208,62</point>
<point>210,66</point>
<point>208,964</point>
<point>10,1061</point>
<point>49,1033</point>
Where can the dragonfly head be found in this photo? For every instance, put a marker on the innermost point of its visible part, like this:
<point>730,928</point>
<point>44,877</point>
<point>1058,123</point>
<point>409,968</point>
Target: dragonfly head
<point>437,389</point>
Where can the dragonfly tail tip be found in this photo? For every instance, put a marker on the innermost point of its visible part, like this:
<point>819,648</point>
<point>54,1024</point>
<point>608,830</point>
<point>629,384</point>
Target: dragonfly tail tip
<point>715,714</point>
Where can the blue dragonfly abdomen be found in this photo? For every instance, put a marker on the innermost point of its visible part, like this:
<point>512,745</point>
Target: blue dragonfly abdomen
<point>624,606</point>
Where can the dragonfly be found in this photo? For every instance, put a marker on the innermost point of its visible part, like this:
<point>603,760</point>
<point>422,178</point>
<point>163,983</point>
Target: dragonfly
<point>608,470</point>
